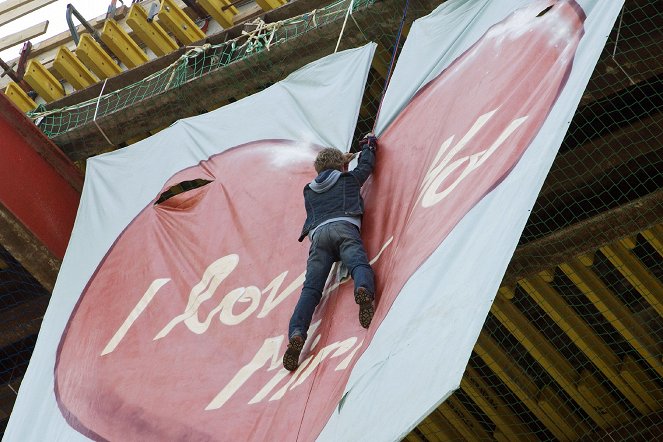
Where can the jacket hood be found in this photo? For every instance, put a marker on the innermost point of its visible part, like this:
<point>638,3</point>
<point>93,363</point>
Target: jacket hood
<point>325,180</point>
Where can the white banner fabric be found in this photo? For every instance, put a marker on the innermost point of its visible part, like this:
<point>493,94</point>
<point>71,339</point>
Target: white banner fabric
<point>316,105</point>
<point>418,355</point>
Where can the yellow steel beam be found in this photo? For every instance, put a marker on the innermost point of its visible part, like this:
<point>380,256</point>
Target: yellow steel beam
<point>150,33</point>
<point>581,335</point>
<point>640,381</point>
<point>19,98</point>
<point>462,420</point>
<point>268,5</point>
<point>95,58</point>
<point>122,45</point>
<point>522,386</point>
<point>224,17</point>
<point>443,430</point>
<point>612,309</point>
<point>593,391</point>
<point>655,237</point>
<point>637,274</point>
<point>551,403</point>
<point>72,69</point>
<point>494,407</point>
<point>176,21</point>
<point>507,292</point>
<point>43,82</point>
<point>546,355</point>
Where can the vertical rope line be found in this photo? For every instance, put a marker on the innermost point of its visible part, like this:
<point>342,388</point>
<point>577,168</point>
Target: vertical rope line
<point>614,51</point>
<point>347,13</point>
<point>96,109</point>
<point>314,374</point>
<point>619,28</point>
<point>391,63</point>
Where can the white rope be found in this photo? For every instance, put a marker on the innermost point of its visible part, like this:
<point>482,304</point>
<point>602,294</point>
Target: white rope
<point>261,32</point>
<point>347,14</point>
<point>614,51</point>
<point>94,119</point>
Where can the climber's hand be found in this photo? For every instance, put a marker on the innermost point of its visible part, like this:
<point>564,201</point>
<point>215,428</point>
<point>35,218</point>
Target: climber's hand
<point>370,140</point>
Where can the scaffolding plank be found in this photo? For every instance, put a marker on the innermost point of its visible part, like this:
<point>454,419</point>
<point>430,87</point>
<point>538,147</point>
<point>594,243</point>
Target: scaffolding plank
<point>43,82</point>
<point>19,11</point>
<point>18,96</point>
<point>151,33</point>
<point>176,21</point>
<point>123,46</point>
<point>8,5</point>
<point>95,58</point>
<point>25,34</point>
<point>72,69</point>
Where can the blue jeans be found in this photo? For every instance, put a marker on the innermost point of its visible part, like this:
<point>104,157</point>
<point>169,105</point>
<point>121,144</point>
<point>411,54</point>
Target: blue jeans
<point>330,242</point>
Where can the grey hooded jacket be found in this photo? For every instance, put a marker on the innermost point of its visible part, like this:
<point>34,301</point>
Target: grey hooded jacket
<point>335,194</point>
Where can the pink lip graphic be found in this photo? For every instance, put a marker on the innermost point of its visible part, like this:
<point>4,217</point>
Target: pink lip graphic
<point>179,333</point>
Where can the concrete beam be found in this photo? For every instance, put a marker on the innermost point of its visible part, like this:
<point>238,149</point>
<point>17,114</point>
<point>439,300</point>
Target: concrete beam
<point>636,40</point>
<point>22,320</point>
<point>27,249</point>
<point>584,165</point>
<point>585,236</point>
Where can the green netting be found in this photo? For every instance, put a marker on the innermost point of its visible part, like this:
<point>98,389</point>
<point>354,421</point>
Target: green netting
<point>194,63</point>
<point>18,291</point>
<point>572,348</point>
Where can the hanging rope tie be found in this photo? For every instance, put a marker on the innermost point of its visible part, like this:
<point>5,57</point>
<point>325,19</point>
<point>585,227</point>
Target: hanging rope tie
<point>262,35</point>
<point>391,63</point>
<point>345,20</point>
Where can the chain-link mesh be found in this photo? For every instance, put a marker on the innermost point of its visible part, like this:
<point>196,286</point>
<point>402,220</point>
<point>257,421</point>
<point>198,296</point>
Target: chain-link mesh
<point>571,349</point>
<point>20,293</point>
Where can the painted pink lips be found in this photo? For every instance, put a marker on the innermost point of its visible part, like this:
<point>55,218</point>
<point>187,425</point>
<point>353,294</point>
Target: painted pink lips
<point>178,334</point>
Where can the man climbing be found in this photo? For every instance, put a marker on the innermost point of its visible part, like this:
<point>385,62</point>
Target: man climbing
<point>334,208</point>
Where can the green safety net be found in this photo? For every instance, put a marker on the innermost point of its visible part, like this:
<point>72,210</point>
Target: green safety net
<point>194,63</point>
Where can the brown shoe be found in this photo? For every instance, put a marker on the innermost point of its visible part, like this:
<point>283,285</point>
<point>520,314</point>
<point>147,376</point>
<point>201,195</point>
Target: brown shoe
<point>291,356</point>
<point>366,309</point>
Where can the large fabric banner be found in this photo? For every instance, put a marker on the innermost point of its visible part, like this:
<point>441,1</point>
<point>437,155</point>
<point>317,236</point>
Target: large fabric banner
<point>169,318</point>
<point>479,103</point>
